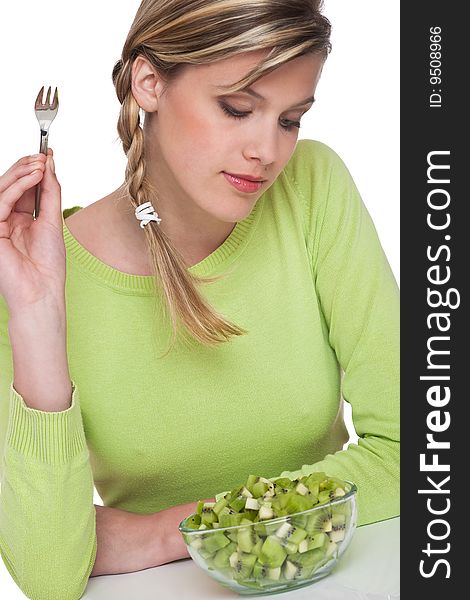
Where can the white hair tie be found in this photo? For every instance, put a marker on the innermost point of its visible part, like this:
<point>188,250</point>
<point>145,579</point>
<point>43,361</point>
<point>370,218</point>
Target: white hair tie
<point>146,213</point>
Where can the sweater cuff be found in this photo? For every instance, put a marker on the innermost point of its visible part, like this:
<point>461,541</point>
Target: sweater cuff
<point>50,437</point>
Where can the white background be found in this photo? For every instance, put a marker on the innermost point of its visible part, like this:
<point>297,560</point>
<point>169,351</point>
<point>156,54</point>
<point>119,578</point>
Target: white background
<point>74,46</point>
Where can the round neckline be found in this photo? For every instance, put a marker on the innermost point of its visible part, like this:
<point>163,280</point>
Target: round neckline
<point>226,253</point>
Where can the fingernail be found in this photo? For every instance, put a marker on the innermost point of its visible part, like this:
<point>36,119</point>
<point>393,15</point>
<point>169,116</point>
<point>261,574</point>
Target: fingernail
<point>52,164</point>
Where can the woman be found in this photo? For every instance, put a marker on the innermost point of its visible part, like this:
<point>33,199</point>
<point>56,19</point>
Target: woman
<point>202,328</point>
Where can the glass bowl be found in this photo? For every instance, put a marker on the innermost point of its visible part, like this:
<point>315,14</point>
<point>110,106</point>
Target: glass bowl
<point>276,555</point>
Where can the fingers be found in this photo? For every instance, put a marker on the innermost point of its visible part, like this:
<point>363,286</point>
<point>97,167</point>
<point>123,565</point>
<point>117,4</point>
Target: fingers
<point>22,176</point>
<point>21,168</point>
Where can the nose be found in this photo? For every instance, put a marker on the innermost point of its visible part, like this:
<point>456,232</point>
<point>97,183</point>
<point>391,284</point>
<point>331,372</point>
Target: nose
<point>262,147</point>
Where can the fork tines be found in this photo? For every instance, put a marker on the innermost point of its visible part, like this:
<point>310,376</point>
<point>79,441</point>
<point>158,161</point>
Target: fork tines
<point>55,102</point>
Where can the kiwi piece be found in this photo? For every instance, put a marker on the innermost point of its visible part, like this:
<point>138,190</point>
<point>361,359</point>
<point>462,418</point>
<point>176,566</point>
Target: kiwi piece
<point>206,555</point>
<point>260,570</point>
<point>325,496</point>
<point>266,511</point>
<point>261,529</point>
<point>311,542</point>
<point>232,536</point>
<point>338,527</point>
<point>257,547</point>
<point>291,533</point>
<point>336,483</point>
<point>222,503</point>
<point>230,520</point>
<point>249,515</point>
<point>194,521</point>
<point>307,562</point>
<point>208,516</point>
<point>320,521</point>
<point>242,565</point>
<point>216,541</point>
<point>296,503</point>
<point>301,489</point>
<point>299,521</point>
<point>331,549</point>
<point>247,538</point>
<point>272,553</point>
<point>221,557</point>
<point>252,479</point>
<point>274,574</point>
<point>259,489</point>
<point>290,547</point>
<point>238,503</point>
<point>290,570</point>
<point>264,575</point>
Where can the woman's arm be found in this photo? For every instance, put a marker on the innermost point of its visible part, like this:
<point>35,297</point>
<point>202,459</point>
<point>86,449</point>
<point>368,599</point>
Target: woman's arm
<point>359,300</point>
<point>129,542</point>
<point>47,517</point>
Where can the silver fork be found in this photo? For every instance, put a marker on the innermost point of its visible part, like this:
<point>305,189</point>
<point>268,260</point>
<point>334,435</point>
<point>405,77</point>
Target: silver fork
<point>45,114</point>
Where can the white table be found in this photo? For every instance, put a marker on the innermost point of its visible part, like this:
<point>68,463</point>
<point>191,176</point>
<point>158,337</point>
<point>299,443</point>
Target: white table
<point>368,570</point>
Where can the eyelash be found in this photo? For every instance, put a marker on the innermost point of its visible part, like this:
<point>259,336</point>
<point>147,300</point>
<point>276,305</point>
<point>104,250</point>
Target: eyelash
<point>241,115</point>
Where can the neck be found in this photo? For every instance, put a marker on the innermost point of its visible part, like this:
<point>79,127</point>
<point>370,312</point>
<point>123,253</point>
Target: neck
<point>193,239</point>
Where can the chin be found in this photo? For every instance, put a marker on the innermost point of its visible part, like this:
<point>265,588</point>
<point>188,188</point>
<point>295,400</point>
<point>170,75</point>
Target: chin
<point>232,216</point>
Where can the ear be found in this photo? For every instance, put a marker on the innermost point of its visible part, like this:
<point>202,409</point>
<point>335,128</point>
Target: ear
<point>146,84</point>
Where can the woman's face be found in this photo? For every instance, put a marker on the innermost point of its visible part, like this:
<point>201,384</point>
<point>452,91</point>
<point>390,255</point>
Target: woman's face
<point>192,139</point>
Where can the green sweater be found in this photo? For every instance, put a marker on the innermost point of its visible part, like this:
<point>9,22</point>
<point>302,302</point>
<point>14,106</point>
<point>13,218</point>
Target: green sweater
<point>307,277</point>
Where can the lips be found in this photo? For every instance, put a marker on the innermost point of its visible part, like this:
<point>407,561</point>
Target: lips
<point>243,185</point>
<point>246,177</point>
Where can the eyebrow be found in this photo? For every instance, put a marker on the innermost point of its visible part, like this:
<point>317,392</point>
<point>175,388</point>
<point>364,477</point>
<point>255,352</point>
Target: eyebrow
<point>252,92</point>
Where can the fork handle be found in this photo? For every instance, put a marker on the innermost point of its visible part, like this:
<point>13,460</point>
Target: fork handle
<point>43,150</point>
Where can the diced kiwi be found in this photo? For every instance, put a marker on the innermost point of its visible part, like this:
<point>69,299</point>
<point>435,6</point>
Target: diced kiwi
<point>252,479</point>
<point>290,533</point>
<point>258,551</point>
<point>338,528</point>
<point>238,503</point>
<point>221,557</point>
<point>215,541</point>
<point>311,542</point>
<point>222,503</point>
<point>258,489</point>
<point>247,538</point>
<point>194,521</point>
<point>272,553</point>
<point>208,516</point>
<point>243,565</point>
<point>319,521</point>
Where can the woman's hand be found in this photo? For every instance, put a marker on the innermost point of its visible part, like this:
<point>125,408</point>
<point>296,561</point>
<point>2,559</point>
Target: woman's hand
<point>129,542</point>
<point>32,252</point>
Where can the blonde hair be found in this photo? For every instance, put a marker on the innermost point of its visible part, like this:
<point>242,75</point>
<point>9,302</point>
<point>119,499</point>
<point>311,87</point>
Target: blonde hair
<point>172,34</point>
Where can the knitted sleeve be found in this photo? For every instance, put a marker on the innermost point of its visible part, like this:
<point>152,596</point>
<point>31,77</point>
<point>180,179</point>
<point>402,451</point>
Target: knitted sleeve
<point>47,515</point>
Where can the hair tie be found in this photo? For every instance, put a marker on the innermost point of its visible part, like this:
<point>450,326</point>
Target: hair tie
<point>146,213</point>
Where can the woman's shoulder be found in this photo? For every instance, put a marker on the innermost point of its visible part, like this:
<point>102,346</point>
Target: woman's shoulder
<point>316,172</point>
<point>85,218</point>
<point>81,223</point>
<point>85,226</point>
<point>313,158</point>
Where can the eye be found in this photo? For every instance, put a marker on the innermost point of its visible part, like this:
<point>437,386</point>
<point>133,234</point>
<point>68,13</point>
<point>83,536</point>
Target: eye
<point>231,112</point>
